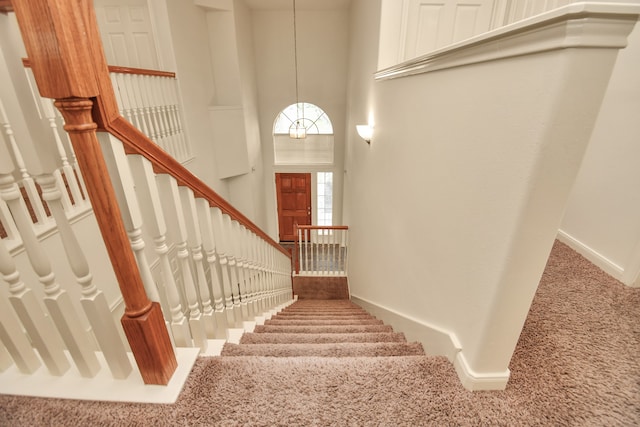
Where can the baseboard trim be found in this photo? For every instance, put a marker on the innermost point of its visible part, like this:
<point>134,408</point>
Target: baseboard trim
<point>592,255</point>
<point>474,381</point>
<point>436,341</point>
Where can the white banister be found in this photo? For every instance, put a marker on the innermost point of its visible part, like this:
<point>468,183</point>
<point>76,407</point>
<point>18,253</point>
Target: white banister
<point>149,100</point>
<point>151,208</point>
<point>172,208</point>
<point>209,246</point>
<point>233,317</point>
<point>321,250</point>
<point>11,334</point>
<point>194,238</point>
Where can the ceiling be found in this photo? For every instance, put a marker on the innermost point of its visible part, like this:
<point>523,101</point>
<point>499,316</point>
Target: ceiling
<point>300,4</point>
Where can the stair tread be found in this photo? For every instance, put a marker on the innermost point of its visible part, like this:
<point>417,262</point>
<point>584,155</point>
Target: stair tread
<point>258,338</point>
<point>376,349</point>
<point>316,329</point>
<point>283,322</point>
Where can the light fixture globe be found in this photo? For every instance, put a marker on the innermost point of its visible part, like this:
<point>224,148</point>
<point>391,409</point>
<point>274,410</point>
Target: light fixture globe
<point>365,132</point>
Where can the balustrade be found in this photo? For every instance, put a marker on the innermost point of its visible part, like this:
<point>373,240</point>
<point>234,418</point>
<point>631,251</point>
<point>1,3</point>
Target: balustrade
<point>152,213</point>
<point>321,250</point>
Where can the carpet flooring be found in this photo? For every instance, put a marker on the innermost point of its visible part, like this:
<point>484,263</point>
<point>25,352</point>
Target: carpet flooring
<point>577,364</point>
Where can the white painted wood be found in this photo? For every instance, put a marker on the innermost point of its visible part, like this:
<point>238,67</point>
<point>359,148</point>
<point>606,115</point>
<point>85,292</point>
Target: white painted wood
<point>43,335</point>
<point>174,216</point>
<point>511,39</point>
<point>151,209</point>
<point>433,24</point>
<point>102,387</point>
<point>27,180</point>
<point>208,244</point>
<point>5,357</point>
<point>78,342</point>
<point>236,233</point>
<point>52,117</point>
<point>232,266</point>
<point>127,33</point>
<point>11,333</point>
<point>194,238</point>
<point>221,249</point>
<point>123,185</point>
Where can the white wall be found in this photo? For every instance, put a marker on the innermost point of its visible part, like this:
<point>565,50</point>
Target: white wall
<point>454,206</point>
<point>322,69</point>
<point>602,220</point>
<point>188,35</point>
<point>247,191</point>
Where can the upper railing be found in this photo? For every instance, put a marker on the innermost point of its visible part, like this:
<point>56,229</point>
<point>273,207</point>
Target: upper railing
<point>229,270</point>
<point>321,250</point>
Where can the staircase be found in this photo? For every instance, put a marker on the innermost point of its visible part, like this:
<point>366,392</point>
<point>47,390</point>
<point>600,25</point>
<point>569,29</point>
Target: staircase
<point>323,328</point>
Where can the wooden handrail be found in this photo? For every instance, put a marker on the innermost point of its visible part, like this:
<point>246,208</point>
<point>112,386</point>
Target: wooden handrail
<point>123,70</point>
<point>6,6</point>
<point>136,142</point>
<point>323,227</point>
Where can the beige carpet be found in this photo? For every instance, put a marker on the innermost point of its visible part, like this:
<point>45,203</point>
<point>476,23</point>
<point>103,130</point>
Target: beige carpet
<point>577,364</point>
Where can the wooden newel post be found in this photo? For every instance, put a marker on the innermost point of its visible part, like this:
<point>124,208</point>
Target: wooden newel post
<point>59,36</point>
<point>142,322</point>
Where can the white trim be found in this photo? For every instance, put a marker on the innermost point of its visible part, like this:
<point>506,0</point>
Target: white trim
<point>435,340</point>
<point>592,255</point>
<point>102,387</point>
<point>475,381</point>
<point>44,231</point>
<point>577,25</point>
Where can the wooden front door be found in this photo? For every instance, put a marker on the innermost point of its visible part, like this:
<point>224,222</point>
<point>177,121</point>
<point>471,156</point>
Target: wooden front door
<point>293,191</point>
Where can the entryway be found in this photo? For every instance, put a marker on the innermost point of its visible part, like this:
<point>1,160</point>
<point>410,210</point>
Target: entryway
<point>293,191</point>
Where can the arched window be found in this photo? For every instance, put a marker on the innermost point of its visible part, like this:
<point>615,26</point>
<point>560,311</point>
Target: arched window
<point>311,145</point>
<point>310,116</point>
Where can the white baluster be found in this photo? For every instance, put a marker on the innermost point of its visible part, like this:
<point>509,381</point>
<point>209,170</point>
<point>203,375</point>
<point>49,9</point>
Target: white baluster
<point>5,358</point>
<point>151,208</point>
<point>136,108</point>
<point>260,269</point>
<point>118,80</point>
<point>156,111</point>
<point>27,181</point>
<point>195,242</point>
<point>146,107</point>
<point>49,113</point>
<point>122,181</point>
<point>233,317</point>
<point>43,335</point>
<point>175,109</point>
<point>249,264</point>
<point>174,216</point>
<point>239,267</point>
<point>160,85</point>
<point>209,245</point>
<point>58,301</point>
<point>11,334</point>
<point>233,269</point>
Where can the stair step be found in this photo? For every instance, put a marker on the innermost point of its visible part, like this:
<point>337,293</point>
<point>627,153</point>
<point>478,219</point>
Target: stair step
<point>322,329</point>
<point>325,350</point>
<point>277,321</point>
<point>292,338</point>
<point>323,315</point>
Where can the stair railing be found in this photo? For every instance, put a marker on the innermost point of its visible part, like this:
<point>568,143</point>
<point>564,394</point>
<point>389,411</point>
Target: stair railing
<point>228,269</point>
<point>321,250</point>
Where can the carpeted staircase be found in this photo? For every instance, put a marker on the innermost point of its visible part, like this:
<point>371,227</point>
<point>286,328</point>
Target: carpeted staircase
<point>323,328</point>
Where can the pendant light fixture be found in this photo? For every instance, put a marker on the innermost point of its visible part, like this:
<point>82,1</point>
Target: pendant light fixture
<point>297,130</point>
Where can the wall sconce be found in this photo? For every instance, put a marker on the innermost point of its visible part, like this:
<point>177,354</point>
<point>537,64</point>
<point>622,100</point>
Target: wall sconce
<point>365,132</point>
